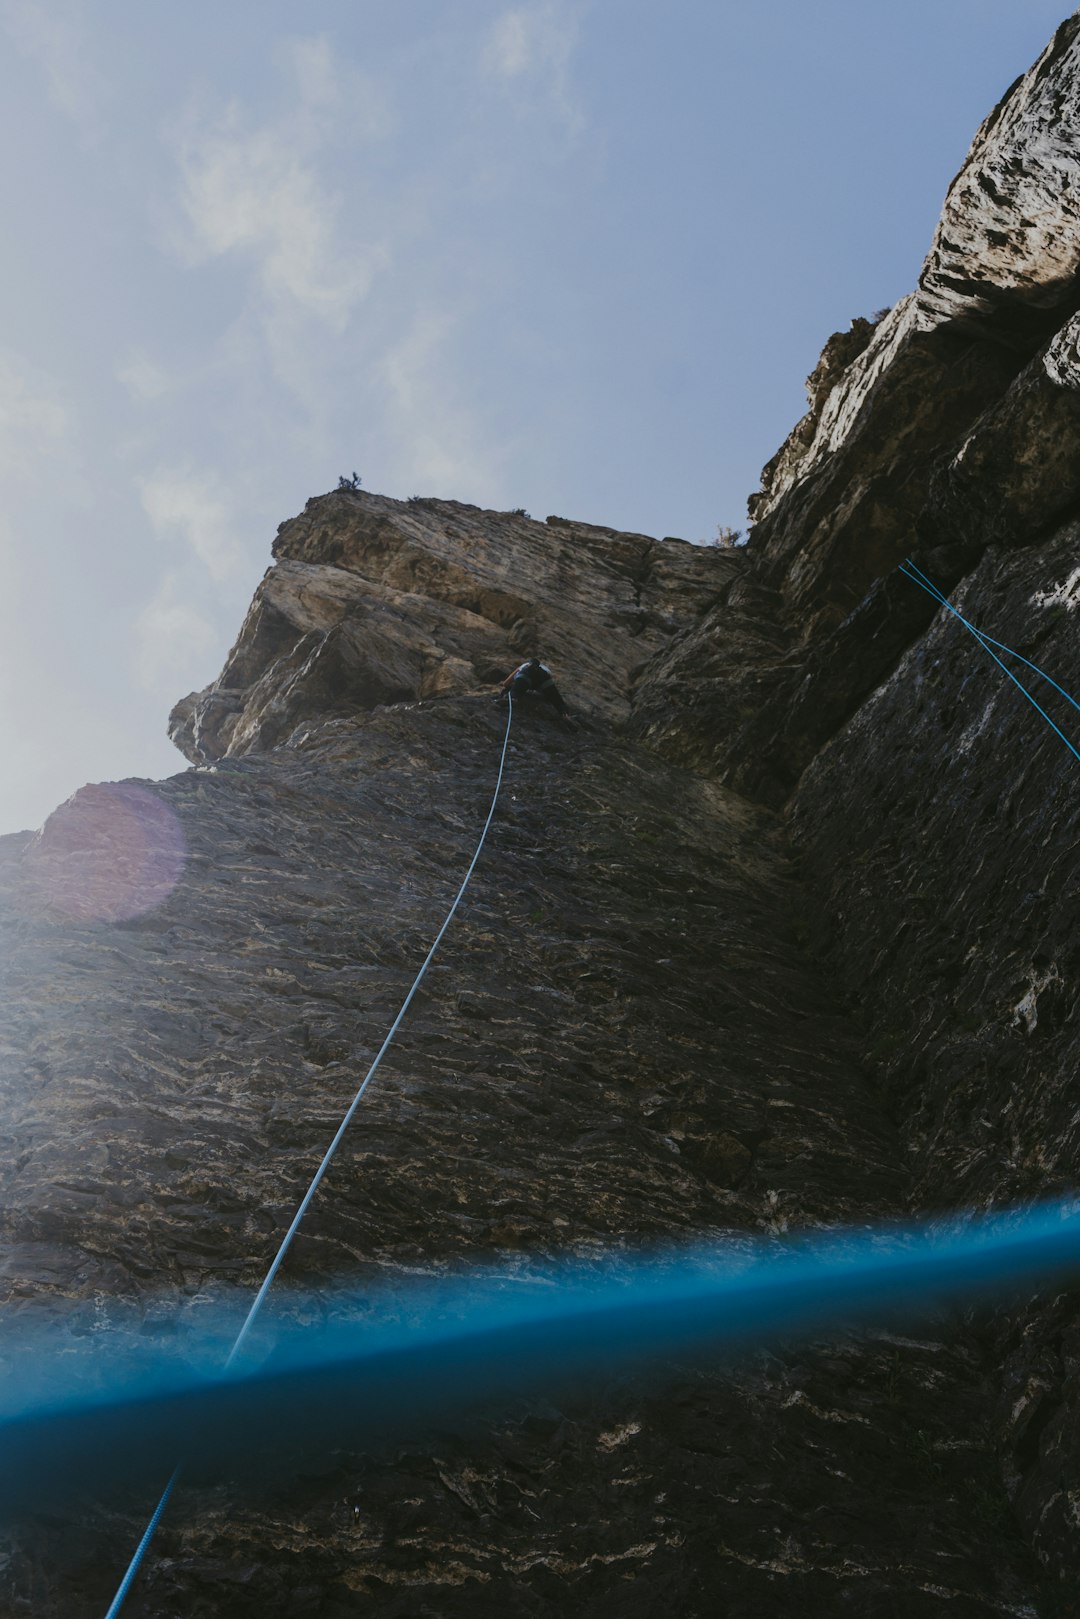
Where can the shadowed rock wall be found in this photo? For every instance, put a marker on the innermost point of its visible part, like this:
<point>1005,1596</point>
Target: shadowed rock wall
<point>623,1040</point>
<point>935,810</point>
<point>781,935</point>
<point>949,425</point>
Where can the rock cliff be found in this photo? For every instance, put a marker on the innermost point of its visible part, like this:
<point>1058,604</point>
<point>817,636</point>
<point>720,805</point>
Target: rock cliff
<point>782,935</point>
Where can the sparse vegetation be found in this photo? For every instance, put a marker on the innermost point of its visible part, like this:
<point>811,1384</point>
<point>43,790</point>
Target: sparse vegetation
<point>349,483</point>
<point>519,511</point>
<point>728,538</point>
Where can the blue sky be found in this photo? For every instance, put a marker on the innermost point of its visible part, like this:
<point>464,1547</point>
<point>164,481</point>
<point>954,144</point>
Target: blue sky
<point>572,255</point>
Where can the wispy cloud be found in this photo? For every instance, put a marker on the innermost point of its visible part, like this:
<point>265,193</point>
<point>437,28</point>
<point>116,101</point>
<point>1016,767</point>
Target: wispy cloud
<point>249,192</point>
<point>57,36</point>
<point>143,378</point>
<point>533,45</point>
<point>258,190</point>
<point>442,440</point>
<point>195,506</point>
<point>174,644</point>
<point>335,99</point>
<point>35,423</point>
<point>363,284</point>
<point>511,45</point>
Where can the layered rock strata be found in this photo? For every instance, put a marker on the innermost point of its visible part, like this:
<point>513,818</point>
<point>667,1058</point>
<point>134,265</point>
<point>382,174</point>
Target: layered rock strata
<point>886,459</point>
<point>623,1040</point>
<point>937,811</point>
<point>375,601</point>
<point>780,936</point>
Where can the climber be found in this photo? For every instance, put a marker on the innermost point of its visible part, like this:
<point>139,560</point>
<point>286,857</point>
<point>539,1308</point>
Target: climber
<point>534,679</point>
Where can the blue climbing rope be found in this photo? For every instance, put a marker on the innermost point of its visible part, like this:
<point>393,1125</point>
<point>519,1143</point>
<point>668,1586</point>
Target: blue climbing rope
<point>929,585</point>
<point>148,1534</point>
<point>987,642</point>
<point>286,1242</point>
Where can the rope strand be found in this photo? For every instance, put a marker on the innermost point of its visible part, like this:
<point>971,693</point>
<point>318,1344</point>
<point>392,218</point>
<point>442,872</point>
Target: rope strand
<point>928,585</point>
<point>909,571</point>
<point>286,1242</point>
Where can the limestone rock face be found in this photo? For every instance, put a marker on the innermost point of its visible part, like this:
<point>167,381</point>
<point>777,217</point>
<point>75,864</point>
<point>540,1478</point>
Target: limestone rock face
<point>379,601</point>
<point>624,1040</point>
<point>933,806</point>
<point>780,935</point>
<point>1007,234</point>
<point>949,853</point>
<point>1003,263</point>
<point>904,439</point>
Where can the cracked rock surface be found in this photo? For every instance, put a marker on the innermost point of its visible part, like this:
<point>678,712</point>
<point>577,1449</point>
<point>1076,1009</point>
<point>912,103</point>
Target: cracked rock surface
<point>623,1040</point>
<point>375,600</point>
<point>779,935</point>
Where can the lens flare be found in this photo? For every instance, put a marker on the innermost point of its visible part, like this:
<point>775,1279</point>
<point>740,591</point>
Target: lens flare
<point>84,1409</point>
<point>113,851</point>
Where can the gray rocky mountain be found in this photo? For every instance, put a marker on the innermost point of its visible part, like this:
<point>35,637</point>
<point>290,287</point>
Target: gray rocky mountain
<point>782,936</point>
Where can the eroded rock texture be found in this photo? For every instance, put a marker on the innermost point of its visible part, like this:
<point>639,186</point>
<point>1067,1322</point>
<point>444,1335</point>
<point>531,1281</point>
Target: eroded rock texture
<point>374,601</point>
<point>780,936</point>
<point>623,1039</point>
<point>876,466</point>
